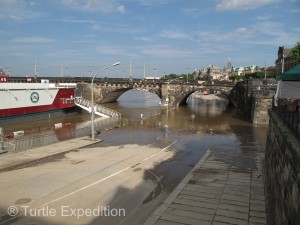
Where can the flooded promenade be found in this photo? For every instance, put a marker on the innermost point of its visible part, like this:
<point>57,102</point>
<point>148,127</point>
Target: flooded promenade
<point>140,162</point>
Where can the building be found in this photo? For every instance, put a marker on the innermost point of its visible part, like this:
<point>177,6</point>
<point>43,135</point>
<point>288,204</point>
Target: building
<point>242,71</point>
<point>284,60</point>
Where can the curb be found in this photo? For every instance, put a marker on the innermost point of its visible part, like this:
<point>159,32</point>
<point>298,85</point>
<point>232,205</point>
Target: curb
<point>163,207</point>
<point>29,162</point>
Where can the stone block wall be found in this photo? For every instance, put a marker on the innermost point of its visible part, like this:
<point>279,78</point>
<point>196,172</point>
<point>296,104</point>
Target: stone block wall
<point>282,165</point>
<point>259,110</point>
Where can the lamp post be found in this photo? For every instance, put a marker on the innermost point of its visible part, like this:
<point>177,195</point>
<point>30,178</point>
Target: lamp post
<point>187,75</point>
<point>92,96</point>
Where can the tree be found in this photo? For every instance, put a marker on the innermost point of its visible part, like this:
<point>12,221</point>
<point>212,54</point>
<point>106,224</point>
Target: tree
<point>296,52</point>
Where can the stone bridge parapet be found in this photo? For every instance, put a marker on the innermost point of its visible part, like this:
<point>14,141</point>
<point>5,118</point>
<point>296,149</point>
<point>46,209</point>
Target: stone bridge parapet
<point>243,95</point>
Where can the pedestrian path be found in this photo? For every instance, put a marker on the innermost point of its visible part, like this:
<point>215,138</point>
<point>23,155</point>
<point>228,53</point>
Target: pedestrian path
<point>13,160</point>
<point>222,189</point>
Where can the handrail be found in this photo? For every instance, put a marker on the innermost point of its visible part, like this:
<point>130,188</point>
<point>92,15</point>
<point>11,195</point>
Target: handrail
<point>98,108</point>
<point>289,111</point>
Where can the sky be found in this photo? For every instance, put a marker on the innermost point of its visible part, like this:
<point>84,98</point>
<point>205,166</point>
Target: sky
<point>81,37</point>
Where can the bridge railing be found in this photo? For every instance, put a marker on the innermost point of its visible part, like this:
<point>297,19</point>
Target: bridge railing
<point>289,111</point>
<point>98,108</point>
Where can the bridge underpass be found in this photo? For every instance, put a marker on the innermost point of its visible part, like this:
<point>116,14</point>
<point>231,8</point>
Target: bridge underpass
<point>176,93</point>
<point>242,95</point>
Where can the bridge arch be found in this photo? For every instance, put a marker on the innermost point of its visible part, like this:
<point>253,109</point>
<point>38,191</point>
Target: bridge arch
<point>178,94</point>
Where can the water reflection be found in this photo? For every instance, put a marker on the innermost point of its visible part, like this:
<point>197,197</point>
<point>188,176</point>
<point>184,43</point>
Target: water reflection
<point>207,105</point>
<point>201,115</point>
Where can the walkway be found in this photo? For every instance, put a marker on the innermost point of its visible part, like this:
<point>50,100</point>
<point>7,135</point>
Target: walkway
<point>222,189</point>
<point>14,160</point>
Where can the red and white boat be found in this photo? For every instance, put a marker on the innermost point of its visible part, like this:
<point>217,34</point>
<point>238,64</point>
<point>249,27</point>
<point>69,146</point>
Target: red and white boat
<point>28,99</point>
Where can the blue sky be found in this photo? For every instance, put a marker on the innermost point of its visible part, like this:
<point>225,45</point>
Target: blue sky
<point>169,36</point>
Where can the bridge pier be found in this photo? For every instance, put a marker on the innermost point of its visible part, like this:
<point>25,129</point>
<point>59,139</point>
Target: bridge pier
<point>242,95</point>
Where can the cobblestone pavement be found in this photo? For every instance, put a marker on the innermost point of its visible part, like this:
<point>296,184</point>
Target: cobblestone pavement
<point>223,188</point>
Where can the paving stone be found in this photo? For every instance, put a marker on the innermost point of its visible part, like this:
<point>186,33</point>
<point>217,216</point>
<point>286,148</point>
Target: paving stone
<point>257,220</point>
<point>236,203</point>
<point>257,214</point>
<point>200,194</point>
<point>212,183</point>
<point>190,214</point>
<point>219,223</point>
<point>195,203</point>
<point>258,197</point>
<point>236,208</point>
<point>238,193</point>
<point>183,220</point>
<point>193,208</point>
<point>230,220</point>
<point>164,222</point>
<point>251,223</point>
<point>239,181</point>
<point>255,207</point>
<point>257,202</point>
<point>233,214</point>
<point>201,188</point>
<point>237,184</point>
<point>235,188</point>
<point>199,199</point>
<point>235,198</point>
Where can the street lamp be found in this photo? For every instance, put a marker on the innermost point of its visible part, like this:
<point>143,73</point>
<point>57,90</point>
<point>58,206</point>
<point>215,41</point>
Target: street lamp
<point>187,75</point>
<point>92,96</point>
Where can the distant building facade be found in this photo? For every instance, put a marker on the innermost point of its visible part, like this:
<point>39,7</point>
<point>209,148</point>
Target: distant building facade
<point>284,60</point>
<point>242,71</point>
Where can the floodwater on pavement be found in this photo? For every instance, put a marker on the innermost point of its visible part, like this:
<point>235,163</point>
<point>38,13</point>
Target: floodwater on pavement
<point>195,127</point>
<point>204,123</point>
<point>201,124</point>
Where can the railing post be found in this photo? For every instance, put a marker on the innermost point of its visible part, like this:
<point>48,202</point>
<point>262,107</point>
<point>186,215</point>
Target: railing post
<point>2,147</point>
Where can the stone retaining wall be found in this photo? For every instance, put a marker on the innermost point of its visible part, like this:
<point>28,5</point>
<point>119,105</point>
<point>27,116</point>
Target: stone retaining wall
<point>259,110</point>
<point>282,165</point>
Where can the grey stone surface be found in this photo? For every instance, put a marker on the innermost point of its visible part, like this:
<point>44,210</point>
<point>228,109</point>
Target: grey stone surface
<point>223,191</point>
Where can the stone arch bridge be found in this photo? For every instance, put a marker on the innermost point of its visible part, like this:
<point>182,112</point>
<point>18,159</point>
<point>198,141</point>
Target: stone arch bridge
<point>177,92</point>
<point>251,97</point>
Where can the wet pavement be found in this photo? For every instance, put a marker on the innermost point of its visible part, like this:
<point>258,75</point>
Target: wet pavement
<point>192,129</point>
<point>221,189</point>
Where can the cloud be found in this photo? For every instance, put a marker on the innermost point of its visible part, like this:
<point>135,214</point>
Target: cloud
<point>172,34</point>
<point>36,40</point>
<point>95,5</point>
<point>295,11</point>
<point>121,9</point>
<point>72,20</point>
<point>224,5</point>
<point>153,2</point>
<point>8,2</point>
<point>240,33</point>
<point>163,51</point>
<point>18,10</point>
<point>118,28</point>
<point>111,49</point>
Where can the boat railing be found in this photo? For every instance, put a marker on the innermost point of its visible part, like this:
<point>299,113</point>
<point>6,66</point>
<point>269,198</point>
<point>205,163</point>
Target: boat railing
<point>87,105</point>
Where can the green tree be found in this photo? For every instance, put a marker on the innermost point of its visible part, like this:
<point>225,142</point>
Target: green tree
<point>296,52</point>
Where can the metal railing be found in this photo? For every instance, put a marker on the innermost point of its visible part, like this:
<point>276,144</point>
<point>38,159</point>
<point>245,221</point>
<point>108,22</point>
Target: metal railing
<point>98,108</point>
<point>289,111</point>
